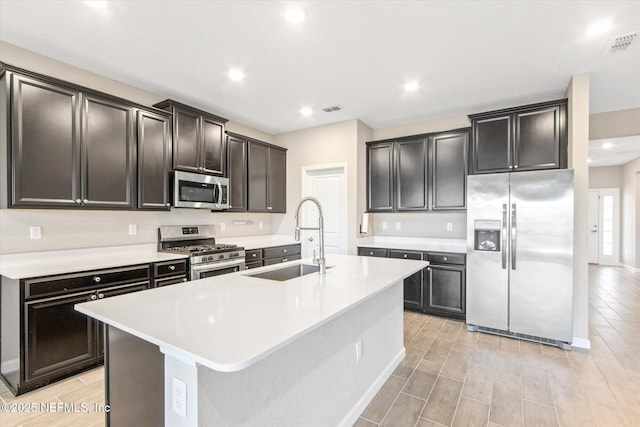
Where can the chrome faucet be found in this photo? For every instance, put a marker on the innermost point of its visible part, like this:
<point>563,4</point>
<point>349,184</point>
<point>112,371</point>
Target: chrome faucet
<point>321,262</point>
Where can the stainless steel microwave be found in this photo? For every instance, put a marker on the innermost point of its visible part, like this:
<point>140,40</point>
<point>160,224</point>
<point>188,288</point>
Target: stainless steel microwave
<point>193,190</point>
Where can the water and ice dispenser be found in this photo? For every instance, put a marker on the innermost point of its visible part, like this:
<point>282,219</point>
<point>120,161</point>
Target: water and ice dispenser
<point>486,235</point>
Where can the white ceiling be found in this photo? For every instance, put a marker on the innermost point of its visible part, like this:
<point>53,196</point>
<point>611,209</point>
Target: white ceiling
<point>468,56</point>
<point>613,152</point>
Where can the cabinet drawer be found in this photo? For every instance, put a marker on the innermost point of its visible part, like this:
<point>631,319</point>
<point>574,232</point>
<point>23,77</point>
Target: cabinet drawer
<point>282,251</point>
<point>253,255</point>
<point>378,252</point>
<point>170,268</point>
<point>405,254</point>
<point>254,264</point>
<point>92,279</point>
<point>446,258</point>
<point>278,260</point>
<point>169,281</point>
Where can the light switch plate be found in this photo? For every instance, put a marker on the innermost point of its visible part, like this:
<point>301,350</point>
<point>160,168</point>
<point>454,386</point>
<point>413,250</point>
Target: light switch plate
<point>35,232</point>
<point>449,226</point>
<point>223,226</point>
<point>133,229</point>
<point>179,397</point>
<point>398,225</point>
<point>384,225</point>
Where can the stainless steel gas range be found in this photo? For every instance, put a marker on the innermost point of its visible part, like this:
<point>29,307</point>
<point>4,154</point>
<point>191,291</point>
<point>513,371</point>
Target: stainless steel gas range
<point>206,258</point>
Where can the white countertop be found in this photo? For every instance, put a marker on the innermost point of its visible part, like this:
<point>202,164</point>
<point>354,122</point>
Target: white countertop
<point>36,264</point>
<point>229,322</point>
<point>414,243</point>
<point>256,242</point>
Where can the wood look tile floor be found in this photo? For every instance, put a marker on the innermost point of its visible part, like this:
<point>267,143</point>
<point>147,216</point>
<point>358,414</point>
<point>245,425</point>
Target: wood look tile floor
<point>453,377</point>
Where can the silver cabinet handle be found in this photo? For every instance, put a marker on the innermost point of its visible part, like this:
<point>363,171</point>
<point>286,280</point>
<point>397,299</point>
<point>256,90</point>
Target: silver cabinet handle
<point>504,236</point>
<point>405,255</point>
<point>96,279</point>
<point>284,250</point>
<point>269,208</point>
<point>513,236</point>
<point>172,267</point>
<point>168,204</point>
<point>78,201</point>
<point>284,260</point>
<point>371,253</point>
<point>85,201</point>
<point>100,296</point>
<point>93,297</point>
<point>254,255</point>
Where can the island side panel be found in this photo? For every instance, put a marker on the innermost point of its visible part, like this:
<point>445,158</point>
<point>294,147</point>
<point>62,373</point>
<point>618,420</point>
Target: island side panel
<point>134,372</point>
<point>315,380</point>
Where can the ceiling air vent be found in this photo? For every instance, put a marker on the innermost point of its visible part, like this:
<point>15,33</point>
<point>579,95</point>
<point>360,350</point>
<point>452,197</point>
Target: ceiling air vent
<point>620,43</point>
<point>332,108</point>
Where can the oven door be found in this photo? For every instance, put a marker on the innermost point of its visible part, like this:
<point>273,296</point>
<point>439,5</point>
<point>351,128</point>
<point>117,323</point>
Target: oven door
<point>200,271</point>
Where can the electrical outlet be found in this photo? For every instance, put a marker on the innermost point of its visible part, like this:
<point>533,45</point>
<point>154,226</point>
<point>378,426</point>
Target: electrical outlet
<point>398,225</point>
<point>133,229</point>
<point>35,232</point>
<point>179,397</point>
<point>449,226</point>
<point>384,225</point>
<point>358,350</point>
<point>260,225</point>
<point>223,226</point>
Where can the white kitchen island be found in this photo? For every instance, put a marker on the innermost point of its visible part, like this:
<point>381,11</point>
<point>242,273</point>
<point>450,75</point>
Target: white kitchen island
<point>309,351</point>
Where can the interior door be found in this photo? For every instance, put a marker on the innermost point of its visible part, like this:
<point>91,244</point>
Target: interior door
<point>541,259</point>
<point>329,187</point>
<point>594,225</point>
<point>487,274</point>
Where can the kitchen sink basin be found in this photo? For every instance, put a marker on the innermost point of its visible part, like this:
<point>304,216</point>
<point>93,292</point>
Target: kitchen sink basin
<point>286,273</point>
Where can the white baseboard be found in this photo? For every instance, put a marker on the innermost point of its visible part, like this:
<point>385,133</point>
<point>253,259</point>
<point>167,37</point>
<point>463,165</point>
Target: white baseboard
<point>631,269</point>
<point>583,343</point>
<point>353,415</point>
<point>10,365</point>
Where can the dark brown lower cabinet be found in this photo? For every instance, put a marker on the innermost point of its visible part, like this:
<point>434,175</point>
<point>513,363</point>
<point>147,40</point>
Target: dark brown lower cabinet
<point>439,289</point>
<point>272,255</point>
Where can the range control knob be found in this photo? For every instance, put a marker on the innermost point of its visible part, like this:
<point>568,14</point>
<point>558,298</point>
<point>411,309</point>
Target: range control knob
<point>221,256</point>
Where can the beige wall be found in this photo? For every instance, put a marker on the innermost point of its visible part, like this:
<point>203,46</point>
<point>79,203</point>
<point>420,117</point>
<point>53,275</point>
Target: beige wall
<point>614,124</point>
<point>605,177</point>
<point>64,229</point>
<point>578,121</point>
<point>630,207</point>
<point>322,145</point>
<point>423,126</point>
<point>365,133</point>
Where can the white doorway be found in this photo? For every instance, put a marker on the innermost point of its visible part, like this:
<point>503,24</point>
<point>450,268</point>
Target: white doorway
<point>604,226</point>
<point>328,184</point>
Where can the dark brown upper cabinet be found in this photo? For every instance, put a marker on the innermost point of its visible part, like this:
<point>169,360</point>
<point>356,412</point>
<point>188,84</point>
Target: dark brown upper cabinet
<point>411,176</point>
<point>68,148</point>
<point>449,170</point>
<point>524,138</point>
<point>266,180</point>
<point>237,173</point>
<point>380,177</point>
<point>418,173</point>
<point>199,143</point>
<point>154,160</point>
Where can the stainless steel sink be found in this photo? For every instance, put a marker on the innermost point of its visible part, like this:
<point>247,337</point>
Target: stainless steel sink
<point>286,273</point>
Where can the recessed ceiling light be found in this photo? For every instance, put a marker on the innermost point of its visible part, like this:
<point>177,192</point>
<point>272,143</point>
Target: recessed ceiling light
<point>294,15</point>
<point>599,27</point>
<point>236,74</point>
<point>97,4</point>
<point>589,160</point>
<point>306,111</point>
<point>607,145</point>
<point>411,86</point>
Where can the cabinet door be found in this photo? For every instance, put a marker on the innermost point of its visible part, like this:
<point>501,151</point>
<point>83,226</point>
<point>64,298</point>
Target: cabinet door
<point>154,160</point>
<point>449,171</point>
<point>213,147</point>
<point>411,175</point>
<point>58,338</point>
<point>538,136</point>
<point>185,140</point>
<point>112,292</point>
<point>413,294</point>
<point>108,154</point>
<point>277,181</point>
<point>237,173</point>
<point>45,144</point>
<point>374,252</point>
<point>258,156</point>
<point>492,145</point>
<point>380,177</point>
<point>446,288</point>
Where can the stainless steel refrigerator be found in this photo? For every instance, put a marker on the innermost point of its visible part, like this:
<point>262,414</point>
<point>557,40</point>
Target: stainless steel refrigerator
<point>520,255</point>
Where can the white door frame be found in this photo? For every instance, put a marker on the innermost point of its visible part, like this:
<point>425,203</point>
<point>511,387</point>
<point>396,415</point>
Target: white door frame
<point>340,167</point>
<point>612,258</point>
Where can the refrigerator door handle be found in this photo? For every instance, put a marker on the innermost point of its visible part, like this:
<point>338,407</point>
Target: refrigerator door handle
<point>504,236</point>
<point>513,236</point>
